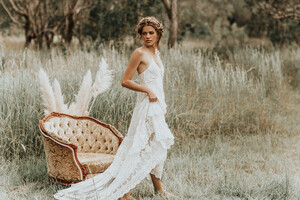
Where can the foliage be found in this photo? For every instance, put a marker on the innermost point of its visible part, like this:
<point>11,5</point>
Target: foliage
<point>275,20</point>
<point>226,23</point>
<point>113,20</point>
<point>4,20</point>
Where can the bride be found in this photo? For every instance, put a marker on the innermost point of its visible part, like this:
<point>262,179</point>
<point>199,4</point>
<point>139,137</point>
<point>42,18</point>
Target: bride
<point>144,149</point>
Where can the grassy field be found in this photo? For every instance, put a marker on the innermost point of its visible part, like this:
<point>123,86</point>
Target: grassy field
<point>234,114</point>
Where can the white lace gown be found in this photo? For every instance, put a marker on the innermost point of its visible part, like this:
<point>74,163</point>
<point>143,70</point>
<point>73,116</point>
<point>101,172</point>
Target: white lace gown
<point>143,150</point>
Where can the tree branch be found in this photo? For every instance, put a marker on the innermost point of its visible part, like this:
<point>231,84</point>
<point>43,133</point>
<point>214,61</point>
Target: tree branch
<point>10,15</point>
<point>167,5</point>
<point>46,14</point>
<point>78,10</point>
<point>16,9</point>
<point>59,25</point>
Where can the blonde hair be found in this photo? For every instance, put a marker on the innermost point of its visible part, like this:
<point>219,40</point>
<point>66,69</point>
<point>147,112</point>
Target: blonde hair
<point>150,21</point>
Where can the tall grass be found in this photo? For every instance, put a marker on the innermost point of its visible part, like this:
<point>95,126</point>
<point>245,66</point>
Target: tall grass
<point>233,119</point>
<point>205,94</point>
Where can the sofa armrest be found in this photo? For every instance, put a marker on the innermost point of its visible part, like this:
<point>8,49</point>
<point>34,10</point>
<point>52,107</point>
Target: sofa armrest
<point>62,162</point>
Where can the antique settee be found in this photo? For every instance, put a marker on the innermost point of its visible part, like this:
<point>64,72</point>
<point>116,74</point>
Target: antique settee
<point>77,148</point>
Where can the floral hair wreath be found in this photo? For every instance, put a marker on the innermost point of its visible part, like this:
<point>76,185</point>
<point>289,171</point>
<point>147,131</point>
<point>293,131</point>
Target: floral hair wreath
<point>153,20</point>
<point>149,18</point>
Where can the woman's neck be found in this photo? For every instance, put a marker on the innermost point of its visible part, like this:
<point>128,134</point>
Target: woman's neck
<point>150,48</point>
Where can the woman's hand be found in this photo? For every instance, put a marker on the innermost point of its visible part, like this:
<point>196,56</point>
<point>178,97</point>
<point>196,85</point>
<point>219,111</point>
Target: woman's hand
<point>152,96</point>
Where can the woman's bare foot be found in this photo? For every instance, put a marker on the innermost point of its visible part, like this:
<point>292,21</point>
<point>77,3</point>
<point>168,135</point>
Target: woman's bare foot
<point>159,191</point>
<point>127,196</point>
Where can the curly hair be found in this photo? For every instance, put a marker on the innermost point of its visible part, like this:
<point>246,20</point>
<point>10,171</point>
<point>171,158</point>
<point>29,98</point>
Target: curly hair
<point>150,21</point>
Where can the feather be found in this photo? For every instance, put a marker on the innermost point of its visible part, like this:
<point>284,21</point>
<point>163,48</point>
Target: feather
<point>84,96</point>
<point>47,93</point>
<point>72,109</point>
<point>103,79</point>
<point>59,99</point>
<point>46,112</point>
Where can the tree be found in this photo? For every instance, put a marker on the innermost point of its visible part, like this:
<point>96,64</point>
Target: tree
<point>73,10</point>
<point>172,12</point>
<point>276,19</point>
<point>115,20</point>
<point>42,19</point>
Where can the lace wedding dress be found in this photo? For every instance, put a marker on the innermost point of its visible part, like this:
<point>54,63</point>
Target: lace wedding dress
<point>143,150</point>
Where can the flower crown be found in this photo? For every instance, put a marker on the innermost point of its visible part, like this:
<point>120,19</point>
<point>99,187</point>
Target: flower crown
<point>152,19</point>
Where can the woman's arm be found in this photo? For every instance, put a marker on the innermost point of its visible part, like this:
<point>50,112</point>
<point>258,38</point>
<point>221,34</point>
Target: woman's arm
<point>127,82</point>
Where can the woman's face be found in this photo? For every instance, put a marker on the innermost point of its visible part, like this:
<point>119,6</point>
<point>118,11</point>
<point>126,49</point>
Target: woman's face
<point>149,36</point>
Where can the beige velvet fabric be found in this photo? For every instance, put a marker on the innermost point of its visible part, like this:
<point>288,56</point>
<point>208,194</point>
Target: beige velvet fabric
<point>77,147</point>
<point>95,163</point>
<point>61,164</point>
<point>90,175</point>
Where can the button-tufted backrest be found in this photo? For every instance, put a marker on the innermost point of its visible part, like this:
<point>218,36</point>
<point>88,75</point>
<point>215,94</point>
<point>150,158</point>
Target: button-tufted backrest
<point>86,133</point>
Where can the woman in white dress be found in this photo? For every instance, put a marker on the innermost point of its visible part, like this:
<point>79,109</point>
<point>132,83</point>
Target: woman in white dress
<point>144,149</point>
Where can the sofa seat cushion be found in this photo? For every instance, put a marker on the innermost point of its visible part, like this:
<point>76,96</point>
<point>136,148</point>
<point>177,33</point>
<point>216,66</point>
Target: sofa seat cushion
<point>95,162</point>
<point>91,175</point>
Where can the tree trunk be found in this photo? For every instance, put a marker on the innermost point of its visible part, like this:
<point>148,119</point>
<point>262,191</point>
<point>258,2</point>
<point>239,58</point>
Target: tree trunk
<point>49,39</point>
<point>68,31</point>
<point>39,40</point>
<point>172,11</point>
<point>173,24</point>
<point>28,32</point>
<point>28,36</point>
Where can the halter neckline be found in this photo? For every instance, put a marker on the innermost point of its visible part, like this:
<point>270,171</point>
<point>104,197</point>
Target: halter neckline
<point>152,61</point>
<point>160,67</point>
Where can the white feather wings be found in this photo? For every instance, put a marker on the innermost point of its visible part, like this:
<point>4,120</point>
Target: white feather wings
<point>53,101</point>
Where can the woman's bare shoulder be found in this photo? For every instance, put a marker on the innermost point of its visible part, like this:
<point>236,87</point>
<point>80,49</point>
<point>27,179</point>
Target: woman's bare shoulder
<point>140,51</point>
<point>138,55</point>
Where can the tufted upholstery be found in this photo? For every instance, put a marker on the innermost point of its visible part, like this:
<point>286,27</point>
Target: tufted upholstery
<point>77,147</point>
